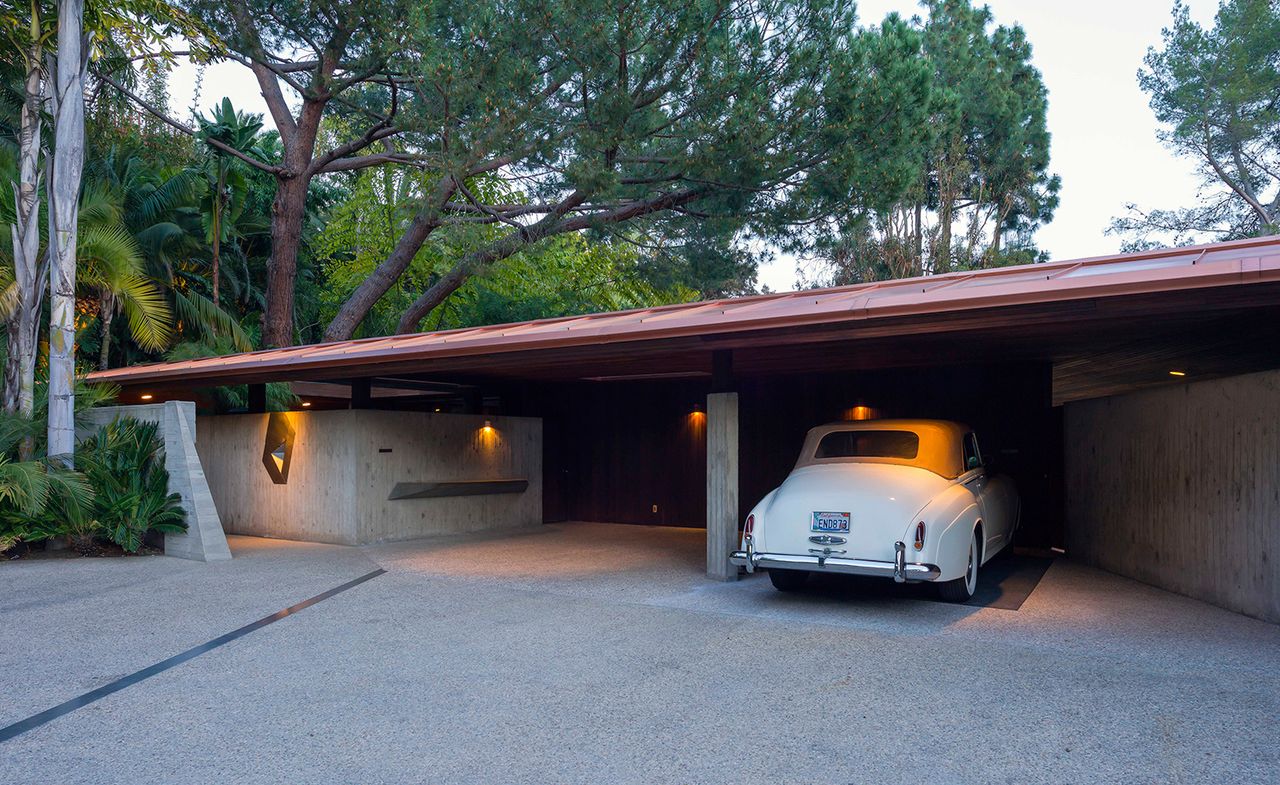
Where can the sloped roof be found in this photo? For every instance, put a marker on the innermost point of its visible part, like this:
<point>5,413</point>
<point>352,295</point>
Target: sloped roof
<point>1235,263</point>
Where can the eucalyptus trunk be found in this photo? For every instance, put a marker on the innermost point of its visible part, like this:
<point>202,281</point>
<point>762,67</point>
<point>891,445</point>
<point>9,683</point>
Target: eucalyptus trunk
<point>64,184</point>
<point>19,376</point>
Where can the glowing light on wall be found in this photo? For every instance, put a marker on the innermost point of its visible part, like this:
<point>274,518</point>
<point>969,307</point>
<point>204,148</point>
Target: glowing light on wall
<point>146,396</point>
<point>306,403</point>
<point>277,448</point>
<point>1177,373</point>
<point>695,423</point>
<point>487,436</point>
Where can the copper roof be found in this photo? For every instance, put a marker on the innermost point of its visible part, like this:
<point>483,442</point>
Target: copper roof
<point>1228,264</point>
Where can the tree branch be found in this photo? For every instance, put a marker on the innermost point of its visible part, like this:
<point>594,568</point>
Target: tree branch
<point>188,130</point>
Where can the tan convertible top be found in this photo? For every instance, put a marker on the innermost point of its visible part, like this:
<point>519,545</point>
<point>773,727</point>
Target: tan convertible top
<point>941,450</point>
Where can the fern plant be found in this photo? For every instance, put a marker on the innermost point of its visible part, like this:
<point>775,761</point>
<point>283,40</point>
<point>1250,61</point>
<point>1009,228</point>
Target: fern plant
<point>124,462</point>
<point>39,499</point>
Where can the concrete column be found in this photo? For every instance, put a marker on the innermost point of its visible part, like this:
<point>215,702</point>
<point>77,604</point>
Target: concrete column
<point>257,403</point>
<point>361,394</point>
<point>722,484</point>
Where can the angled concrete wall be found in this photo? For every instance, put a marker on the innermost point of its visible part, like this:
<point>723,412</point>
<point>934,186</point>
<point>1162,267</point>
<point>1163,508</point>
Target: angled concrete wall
<point>204,539</point>
<point>344,464</point>
<point>1179,487</point>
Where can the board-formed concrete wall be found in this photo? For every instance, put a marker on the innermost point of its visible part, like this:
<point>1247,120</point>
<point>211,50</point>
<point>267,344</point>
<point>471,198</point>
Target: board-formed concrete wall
<point>345,463</point>
<point>1179,487</point>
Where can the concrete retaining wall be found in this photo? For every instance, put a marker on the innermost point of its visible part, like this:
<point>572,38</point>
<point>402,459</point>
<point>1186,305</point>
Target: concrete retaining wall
<point>345,463</point>
<point>1180,487</point>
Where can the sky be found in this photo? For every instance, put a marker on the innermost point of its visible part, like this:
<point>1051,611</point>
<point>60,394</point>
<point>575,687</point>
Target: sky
<point>1104,143</point>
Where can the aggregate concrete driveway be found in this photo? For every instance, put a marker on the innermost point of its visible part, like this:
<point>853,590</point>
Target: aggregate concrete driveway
<point>593,653</point>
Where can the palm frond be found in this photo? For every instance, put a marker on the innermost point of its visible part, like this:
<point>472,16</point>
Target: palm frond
<point>24,485</point>
<point>150,317</point>
<point>99,206</point>
<point>180,190</point>
<point>209,319</point>
<point>105,254</point>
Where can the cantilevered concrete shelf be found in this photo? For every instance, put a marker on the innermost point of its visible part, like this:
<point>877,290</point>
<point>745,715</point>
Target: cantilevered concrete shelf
<point>435,490</point>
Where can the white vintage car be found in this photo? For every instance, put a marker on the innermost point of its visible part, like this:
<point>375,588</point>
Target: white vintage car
<point>904,499</point>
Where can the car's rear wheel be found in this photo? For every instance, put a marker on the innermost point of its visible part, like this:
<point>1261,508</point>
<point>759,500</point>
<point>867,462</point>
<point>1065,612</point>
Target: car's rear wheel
<point>788,580</point>
<point>961,589</point>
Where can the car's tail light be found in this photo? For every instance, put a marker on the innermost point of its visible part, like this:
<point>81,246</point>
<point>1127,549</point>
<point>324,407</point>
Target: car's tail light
<point>919,543</point>
<point>750,525</point>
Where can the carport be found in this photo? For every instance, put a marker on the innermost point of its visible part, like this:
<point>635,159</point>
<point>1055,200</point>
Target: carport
<point>1124,393</point>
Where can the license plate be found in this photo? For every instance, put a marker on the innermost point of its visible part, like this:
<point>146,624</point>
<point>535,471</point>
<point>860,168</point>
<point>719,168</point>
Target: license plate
<point>831,522</point>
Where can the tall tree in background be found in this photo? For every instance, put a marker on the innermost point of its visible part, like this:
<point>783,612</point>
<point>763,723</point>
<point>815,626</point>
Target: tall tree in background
<point>30,35</point>
<point>330,56</point>
<point>238,131</point>
<point>981,167</point>
<point>1216,93</point>
<point>64,200</point>
<point>745,115</point>
<point>119,30</point>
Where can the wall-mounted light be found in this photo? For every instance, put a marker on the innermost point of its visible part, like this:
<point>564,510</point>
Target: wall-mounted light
<point>146,396</point>
<point>1177,373</point>
<point>488,426</point>
<point>306,403</point>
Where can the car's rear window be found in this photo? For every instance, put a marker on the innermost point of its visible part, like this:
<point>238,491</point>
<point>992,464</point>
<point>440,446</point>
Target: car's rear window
<point>869,444</point>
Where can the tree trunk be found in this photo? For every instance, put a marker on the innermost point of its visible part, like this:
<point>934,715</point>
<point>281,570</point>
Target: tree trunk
<point>425,221</point>
<point>287,213</point>
<point>20,365</point>
<point>553,224</point>
<point>942,256</point>
<point>453,280</point>
<point>68,163</point>
<point>919,237</point>
<point>449,283</point>
<point>217,226</point>
<point>106,312</point>
<point>383,277</point>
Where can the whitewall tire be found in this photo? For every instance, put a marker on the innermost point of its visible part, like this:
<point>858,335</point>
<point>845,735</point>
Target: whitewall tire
<point>961,589</point>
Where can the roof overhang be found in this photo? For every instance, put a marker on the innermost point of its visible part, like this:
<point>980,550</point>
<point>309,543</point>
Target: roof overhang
<point>1053,303</point>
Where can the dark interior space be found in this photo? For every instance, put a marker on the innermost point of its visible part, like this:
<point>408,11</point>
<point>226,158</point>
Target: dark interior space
<point>634,451</point>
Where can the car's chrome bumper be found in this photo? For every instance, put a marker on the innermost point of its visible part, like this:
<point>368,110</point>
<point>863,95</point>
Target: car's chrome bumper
<point>899,569</point>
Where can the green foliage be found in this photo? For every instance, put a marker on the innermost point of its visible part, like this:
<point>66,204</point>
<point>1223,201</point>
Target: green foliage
<point>975,172</point>
<point>230,397</point>
<point>568,274</point>
<point>40,498</point>
<point>32,496</point>
<point>1215,94</point>
<point>124,463</point>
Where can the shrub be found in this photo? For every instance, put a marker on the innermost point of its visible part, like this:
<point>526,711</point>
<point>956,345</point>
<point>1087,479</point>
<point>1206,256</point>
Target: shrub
<point>33,497</point>
<point>124,464</point>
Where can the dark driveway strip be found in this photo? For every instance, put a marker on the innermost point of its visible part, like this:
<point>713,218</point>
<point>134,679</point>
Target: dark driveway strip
<point>36,720</point>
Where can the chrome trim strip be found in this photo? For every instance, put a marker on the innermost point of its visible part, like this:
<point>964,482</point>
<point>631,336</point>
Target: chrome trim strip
<point>791,561</point>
